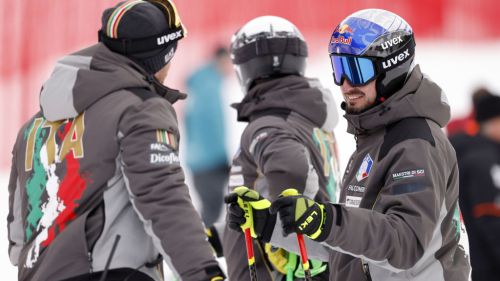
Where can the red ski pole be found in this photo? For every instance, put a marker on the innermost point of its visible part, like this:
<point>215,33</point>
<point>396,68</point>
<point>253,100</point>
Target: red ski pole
<point>300,240</point>
<point>246,227</point>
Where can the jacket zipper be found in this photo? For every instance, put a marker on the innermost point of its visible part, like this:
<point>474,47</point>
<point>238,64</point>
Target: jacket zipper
<point>366,270</point>
<point>89,257</point>
<point>364,265</point>
<point>91,248</point>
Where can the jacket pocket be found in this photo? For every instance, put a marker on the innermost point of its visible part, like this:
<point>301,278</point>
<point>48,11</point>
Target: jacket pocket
<point>94,226</point>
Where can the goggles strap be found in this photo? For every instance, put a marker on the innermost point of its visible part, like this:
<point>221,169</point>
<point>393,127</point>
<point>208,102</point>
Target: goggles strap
<point>133,46</point>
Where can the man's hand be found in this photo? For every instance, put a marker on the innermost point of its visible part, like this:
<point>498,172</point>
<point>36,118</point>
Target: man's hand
<point>248,209</point>
<point>300,214</point>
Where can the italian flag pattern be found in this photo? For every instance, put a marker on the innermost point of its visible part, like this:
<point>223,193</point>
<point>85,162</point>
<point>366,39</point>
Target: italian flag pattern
<point>166,137</point>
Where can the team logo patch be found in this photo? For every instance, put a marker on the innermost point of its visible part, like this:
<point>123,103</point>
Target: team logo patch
<point>408,174</point>
<point>365,168</point>
<point>166,137</point>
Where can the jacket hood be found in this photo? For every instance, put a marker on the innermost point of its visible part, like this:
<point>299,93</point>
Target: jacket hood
<point>80,79</point>
<point>419,97</point>
<point>291,93</point>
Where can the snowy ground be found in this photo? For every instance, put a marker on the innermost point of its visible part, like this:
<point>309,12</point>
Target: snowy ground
<point>458,69</point>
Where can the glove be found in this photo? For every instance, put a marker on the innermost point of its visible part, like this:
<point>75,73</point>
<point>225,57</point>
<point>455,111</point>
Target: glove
<point>215,273</point>
<point>300,214</point>
<point>214,240</point>
<point>248,209</point>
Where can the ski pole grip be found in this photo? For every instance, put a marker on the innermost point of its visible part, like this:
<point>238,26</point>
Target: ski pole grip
<point>247,209</point>
<point>290,192</point>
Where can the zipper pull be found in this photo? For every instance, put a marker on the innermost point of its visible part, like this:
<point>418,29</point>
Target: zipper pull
<point>366,269</point>
<point>89,257</point>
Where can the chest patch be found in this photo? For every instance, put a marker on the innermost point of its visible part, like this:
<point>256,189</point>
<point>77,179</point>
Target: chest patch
<point>365,168</point>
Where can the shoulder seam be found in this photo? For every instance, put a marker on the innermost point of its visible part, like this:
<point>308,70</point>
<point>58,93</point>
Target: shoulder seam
<point>405,129</point>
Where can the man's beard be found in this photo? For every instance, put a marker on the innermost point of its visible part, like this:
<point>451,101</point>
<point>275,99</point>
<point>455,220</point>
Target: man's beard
<point>356,110</point>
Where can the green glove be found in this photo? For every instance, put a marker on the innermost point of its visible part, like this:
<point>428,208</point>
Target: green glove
<point>248,209</point>
<point>300,214</point>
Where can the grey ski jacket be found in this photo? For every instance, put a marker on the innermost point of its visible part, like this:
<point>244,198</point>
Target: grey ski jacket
<point>288,143</point>
<point>100,160</point>
<point>399,218</point>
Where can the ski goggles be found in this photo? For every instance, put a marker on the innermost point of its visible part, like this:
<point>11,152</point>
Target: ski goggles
<point>358,70</point>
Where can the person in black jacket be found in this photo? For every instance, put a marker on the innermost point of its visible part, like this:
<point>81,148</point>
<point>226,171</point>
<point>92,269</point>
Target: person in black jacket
<point>479,165</point>
<point>288,142</point>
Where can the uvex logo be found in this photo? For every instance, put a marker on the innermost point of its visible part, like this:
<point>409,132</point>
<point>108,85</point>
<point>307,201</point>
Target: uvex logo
<point>392,42</point>
<point>167,38</point>
<point>395,60</point>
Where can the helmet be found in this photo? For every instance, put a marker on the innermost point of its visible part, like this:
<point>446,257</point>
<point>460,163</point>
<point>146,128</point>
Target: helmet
<point>265,47</point>
<point>373,44</point>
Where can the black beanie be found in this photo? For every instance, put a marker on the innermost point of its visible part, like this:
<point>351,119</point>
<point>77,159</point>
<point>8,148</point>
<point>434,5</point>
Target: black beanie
<point>487,107</point>
<point>138,19</point>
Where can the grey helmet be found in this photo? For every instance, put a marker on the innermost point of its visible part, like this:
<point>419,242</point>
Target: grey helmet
<point>265,47</point>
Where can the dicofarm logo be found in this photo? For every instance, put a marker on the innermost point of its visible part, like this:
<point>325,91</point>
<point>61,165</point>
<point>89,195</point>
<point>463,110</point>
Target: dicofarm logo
<point>160,158</point>
<point>161,153</point>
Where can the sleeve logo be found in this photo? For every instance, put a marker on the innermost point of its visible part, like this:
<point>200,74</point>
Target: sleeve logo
<point>365,168</point>
<point>408,174</point>
<point>166,137</point>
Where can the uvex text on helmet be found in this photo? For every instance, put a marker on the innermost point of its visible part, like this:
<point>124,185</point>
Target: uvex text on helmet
<point>267,46</point>
<point>373,44</point>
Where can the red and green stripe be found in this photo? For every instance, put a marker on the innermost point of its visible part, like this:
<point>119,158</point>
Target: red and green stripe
<point>163,136</point>
<point>116,16</point>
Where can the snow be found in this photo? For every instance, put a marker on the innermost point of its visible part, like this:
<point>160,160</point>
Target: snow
<point>457,67</point>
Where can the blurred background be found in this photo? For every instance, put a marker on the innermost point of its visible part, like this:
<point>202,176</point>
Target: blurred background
<point>458,46</point>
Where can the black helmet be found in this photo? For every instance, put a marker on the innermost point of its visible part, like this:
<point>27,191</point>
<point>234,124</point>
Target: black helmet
<point>373,44</point>
<point>265,47</point>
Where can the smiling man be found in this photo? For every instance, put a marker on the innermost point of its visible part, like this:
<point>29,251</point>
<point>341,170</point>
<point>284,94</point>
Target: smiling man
<point>358,98</point>
<point>398,217</point>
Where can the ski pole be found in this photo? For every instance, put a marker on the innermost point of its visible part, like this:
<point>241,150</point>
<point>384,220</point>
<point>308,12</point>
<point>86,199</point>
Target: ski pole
<point>248,237</point>
<point>300,240</point>
<point>303,257</point>
<point>111,254</point>
<point>250,255</point>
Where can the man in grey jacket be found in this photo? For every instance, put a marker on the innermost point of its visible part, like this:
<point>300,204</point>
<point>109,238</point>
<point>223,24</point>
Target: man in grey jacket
<point>288,142</point>
<point>96,187</point>
<point>398,217</point>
